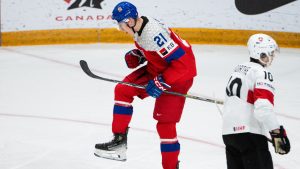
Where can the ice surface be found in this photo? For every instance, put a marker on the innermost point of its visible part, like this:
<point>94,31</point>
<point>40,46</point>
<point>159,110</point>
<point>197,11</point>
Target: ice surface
<point>52,114</point>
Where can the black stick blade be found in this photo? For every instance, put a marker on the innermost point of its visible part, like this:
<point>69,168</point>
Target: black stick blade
<point>84,66</point>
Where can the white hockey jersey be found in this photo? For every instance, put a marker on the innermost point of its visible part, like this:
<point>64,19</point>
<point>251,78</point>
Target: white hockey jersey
<point>249,101</point>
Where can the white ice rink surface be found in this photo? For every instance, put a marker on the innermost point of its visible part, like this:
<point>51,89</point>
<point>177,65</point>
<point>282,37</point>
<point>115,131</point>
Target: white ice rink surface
<point>52,114</point>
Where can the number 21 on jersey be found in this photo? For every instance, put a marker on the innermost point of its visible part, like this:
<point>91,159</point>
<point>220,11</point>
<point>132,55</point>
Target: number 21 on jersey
<point>160,39</point>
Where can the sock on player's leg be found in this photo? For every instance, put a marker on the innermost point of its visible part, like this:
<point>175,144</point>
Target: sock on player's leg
<point>121,118</point>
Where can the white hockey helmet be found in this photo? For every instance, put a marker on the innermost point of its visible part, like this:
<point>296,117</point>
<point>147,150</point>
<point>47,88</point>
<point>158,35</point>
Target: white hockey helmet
<point>262,45</point>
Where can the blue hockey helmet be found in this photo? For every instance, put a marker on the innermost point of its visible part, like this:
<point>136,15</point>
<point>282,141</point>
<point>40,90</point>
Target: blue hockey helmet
<point>123,11</point>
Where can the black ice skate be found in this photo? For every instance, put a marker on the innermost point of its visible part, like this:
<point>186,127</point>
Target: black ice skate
<point>177,166</point>
<point>115,149</point>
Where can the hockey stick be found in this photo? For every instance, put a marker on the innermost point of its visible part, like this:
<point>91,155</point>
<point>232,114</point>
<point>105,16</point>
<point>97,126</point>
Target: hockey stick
<point>86,69</point>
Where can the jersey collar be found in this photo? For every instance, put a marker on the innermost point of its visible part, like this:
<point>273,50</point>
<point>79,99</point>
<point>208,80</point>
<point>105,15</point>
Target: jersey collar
<point>145,21</point>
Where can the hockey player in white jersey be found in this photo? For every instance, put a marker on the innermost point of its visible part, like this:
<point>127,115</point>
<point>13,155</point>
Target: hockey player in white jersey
<point>248,113</point>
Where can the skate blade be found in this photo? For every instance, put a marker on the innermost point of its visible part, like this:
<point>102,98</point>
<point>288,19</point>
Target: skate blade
<point>111,155</point>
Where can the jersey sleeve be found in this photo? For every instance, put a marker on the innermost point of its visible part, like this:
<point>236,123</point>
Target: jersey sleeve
<point>180,62</point>
<point>264,100</point>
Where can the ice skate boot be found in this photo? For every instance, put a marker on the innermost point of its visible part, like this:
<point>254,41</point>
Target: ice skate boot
<point>177,166</point>
<point>115,149</point>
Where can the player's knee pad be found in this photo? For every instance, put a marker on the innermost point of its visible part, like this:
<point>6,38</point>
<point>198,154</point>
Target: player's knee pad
<point>120,89</point>
<point>124,93</point>
<point>167,132</point>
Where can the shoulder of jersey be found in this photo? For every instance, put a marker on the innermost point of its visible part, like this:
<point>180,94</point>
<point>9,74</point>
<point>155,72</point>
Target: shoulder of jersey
<point>153,28</point>
<point>259,72</point>
<point>258,69</point>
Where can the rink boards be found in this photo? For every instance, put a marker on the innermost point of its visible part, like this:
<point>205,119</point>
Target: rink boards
<point>112,35</point>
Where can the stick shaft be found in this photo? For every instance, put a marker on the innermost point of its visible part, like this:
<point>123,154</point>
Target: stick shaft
<point>86,69</point>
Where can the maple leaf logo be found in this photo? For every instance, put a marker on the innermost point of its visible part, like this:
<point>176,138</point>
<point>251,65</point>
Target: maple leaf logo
<point>84,3</point>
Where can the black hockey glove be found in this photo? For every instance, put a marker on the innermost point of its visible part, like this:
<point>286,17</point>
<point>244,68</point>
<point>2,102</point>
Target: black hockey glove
<point>280,141</point>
